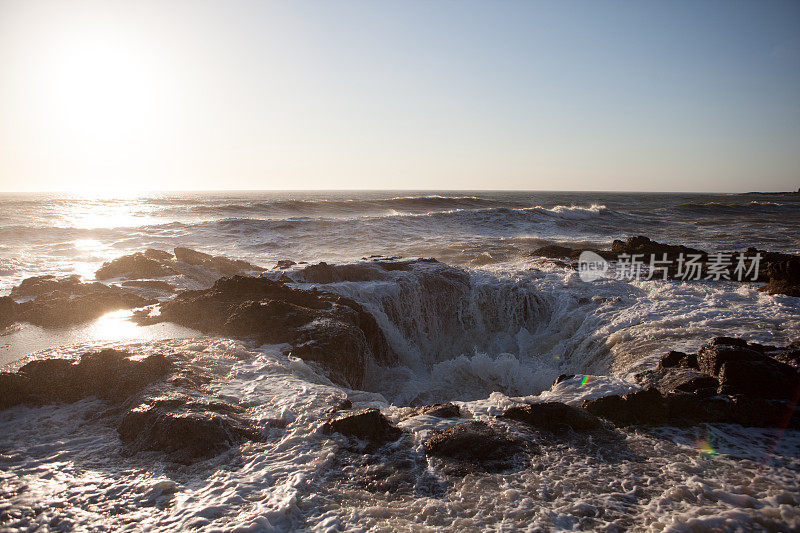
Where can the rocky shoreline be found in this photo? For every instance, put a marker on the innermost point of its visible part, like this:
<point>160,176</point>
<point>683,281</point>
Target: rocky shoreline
<point>163,404</point>
<point>780,271</point>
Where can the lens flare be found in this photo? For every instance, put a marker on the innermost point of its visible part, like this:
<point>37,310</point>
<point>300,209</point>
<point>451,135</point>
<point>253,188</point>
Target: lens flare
<point>585,380</point>
<point>705,447</point>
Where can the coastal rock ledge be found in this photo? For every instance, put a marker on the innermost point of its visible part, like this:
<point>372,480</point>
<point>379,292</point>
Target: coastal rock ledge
<point>729,380</point>
<point>331,331</point>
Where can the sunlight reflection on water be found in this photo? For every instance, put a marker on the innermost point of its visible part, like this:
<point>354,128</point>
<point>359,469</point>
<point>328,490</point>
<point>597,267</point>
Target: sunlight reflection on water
<point>111,327</point>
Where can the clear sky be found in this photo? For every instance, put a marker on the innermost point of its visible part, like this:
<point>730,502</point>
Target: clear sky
<point>563,95</point>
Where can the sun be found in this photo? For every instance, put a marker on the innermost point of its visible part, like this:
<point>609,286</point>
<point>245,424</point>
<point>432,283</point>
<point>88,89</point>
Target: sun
<point>102,97</point>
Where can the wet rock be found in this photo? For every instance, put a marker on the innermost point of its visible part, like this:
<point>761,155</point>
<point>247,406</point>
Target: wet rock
<point>560,378</point>
<point>446,410</point>
<point>678,359</point>
<point>220,264</point>
<point>8,311</point>
<point>40,285</point>
<point>135,266</point>
<point>739,382</point>
<point>784,278</point>
<point>714,354</point>
<point>193,257</point>
<point>65,301</point>
<point>283,264</point>
<point>198,266</point>
<point>159,255</point>
<point>641,407</point>
<point>325,273</point>
<point>679,379</point>
<point>477,444</point>
<point>186,428</point>
<point>765,378</point>
<point>553,416</point>
<point>645,246</point>
<point>685,408</point>
<point>554,251</point>
<point>727,341</point>
<point>762,412</point>
<point>333,331</point>
<point>108,374</point>
<point>368,424</point>
<point>790,357</point>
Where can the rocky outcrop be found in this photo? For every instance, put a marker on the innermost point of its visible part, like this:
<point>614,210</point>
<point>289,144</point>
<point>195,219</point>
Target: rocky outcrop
<point>780,270</point>
<point>641,407</point>
<point>136,266</point>
<point>553,416</point>
<point>283,264</point>
<point>375,269</point>
<point>736,382</point>
<point>678,359</point>
<point>8,311</point>
<point>368,425</point>
<point>108,374</point>
<point>152,263</point>
<point>784,278</point>
<point>554,251</point>
<point>633,245</point>
<point>476,444</point>
<point>158,403</point>
<point>187,428</point>
<point>645,246</point>
<point>330,330</point>
<point>62,301</point>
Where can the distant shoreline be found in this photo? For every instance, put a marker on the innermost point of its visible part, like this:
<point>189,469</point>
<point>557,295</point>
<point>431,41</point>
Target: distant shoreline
<point>784,193</point>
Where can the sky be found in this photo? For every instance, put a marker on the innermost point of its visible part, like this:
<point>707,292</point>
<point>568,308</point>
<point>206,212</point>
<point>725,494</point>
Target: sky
<point>537,95</point>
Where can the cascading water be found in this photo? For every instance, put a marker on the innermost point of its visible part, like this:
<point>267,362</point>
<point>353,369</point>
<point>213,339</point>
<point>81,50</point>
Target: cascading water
<point>462,335</point>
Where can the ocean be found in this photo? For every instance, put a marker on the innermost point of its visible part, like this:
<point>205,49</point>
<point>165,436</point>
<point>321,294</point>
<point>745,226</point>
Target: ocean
<point>520,322</point>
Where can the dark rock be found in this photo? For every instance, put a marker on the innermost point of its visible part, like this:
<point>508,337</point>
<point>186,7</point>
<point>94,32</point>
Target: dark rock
<point>187,428</point>
<point>135,266</point>
<point>108,374</point>
<point>766,378</point>
<point>193,257</point>
<point>643,245</point>
<point>40,285</point>
<point>447,410</point>
<point>8,311</point>
<point>680,379</point>
<point>283,264</point>
<point>553,251</point>
<point>562,377</point>
<point>763,412</point>
<point>158,263</point>
<point>159,255</point>
<point>685,408</point>
<point>553,416</point>
<point>368,424</point>
<point>714,354</point>
<point>14,389</point>
<point>784,278</point>
<point>789,356</point>
<point>476,443</point>
<point>727,341</point>
<point>641,407</point>
<point>220,264</point>
<point>65,301</point>
<point>331,330</point>
<point>677,359</point>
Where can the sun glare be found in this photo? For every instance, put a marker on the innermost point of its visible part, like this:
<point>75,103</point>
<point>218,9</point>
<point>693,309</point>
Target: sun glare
<point>103,105</point>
